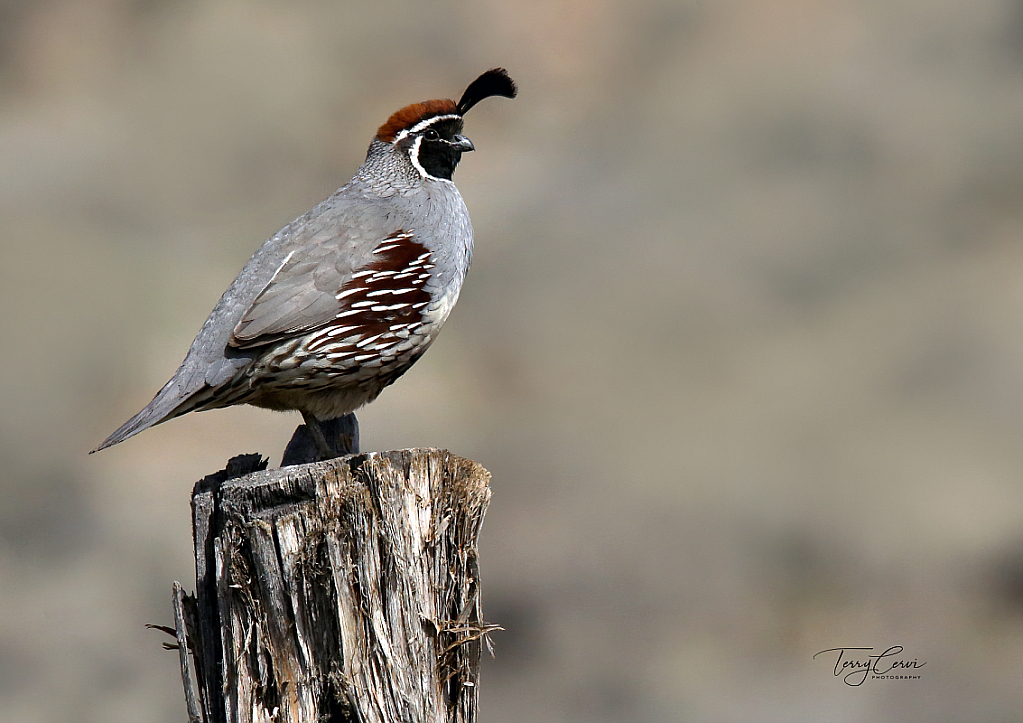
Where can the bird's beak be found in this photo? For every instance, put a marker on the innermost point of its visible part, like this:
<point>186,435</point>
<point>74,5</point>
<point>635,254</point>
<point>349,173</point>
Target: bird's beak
<point>463,144</point>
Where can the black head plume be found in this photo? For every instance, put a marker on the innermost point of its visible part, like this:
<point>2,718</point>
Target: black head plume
<point>493,82</point>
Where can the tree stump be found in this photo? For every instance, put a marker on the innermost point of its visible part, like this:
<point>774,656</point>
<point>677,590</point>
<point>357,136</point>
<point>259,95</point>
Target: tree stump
<point>345,590</point>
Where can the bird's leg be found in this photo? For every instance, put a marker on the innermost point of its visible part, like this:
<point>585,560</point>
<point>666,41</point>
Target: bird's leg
<point>316,432</point>
<point>321,439</point>
<point>345,431</point>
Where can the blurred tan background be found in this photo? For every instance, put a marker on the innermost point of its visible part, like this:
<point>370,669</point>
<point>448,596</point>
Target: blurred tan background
<point>742,344</point>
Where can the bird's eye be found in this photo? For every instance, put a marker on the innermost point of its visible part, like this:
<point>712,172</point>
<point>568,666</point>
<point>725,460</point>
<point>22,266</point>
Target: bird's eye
<point>431,134</point>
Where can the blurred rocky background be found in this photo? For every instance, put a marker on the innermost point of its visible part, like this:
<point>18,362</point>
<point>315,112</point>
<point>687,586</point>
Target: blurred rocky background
<point>742,344</point>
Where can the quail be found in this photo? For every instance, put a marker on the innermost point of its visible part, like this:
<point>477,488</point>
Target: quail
<point>344,299</point>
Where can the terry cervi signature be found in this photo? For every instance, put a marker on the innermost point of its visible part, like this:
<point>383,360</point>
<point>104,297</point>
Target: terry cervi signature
<point>881,666</point>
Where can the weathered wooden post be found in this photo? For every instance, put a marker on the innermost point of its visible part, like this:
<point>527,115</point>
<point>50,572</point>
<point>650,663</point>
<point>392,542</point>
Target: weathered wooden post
<point>345,590</point>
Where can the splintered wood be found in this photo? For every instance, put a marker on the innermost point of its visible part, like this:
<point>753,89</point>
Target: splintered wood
<point>346,590</point>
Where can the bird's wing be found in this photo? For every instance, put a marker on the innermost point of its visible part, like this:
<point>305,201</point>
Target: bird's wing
<point>321,285</point>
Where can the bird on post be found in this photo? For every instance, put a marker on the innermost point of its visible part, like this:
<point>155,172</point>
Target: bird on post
<point>344,299</point>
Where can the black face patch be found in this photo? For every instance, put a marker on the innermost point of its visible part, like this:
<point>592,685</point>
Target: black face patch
<point>438,152</point>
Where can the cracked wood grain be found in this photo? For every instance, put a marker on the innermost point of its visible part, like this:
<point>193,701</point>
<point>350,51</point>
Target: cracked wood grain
<point>346,590</point>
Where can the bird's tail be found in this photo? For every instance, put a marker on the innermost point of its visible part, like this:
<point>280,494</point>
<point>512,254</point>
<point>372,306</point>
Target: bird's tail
<point>165,405</point>
<point>172,401</point>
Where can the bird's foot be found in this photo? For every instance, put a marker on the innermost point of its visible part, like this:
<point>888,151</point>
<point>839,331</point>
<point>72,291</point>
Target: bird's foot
<point>320,439</point>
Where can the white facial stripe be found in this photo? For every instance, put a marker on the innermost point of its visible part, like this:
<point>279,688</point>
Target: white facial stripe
<point>414,156</point>
<point>423,124</point>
